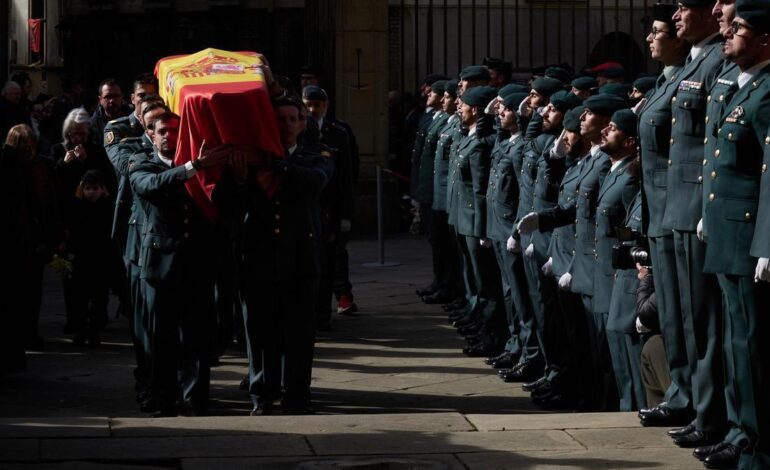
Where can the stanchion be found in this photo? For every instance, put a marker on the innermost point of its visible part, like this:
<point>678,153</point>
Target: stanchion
<point>380,228</point>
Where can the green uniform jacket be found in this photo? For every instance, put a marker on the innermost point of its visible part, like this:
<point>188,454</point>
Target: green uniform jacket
<point>654,145</point>
<point>503,191</point>
<point>545,195</point>
<point>458,134</point>
<point>684,198</point>
<point>424,191</point>
<point>473,162</point>
<point>527,177</point>
<point>562,246</point>
<point>114,132</point>
<point>725,86</point>
<point>616,195</point>
<point>419,140</point>
<point>622,318</point>
<point>760,246</point>
<point>136,148</point>
<point>734,201</point>
<point>441,163</point>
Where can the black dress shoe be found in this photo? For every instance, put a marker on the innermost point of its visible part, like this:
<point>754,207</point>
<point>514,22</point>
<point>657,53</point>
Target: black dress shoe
<point>465,321</point>
<point>470,330</point>
<point>262,409</point>
<point>439,297</point>
<point>455,304</point>
<point>531,386</point>
<point>701,453</point>
<point>480,350</point>
<point>644,411</point>
<point>427,290</point>
<point>676,432</point>
<point>490,361</point>
<point>543,391</point>
<point>665,416</point>
<point>698,439</point>
<point>525,372</point>
<point>726,458</point>
<point>506,362</point>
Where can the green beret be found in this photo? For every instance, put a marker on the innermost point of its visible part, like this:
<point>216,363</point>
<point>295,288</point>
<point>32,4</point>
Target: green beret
<point>511,88</point>
<point>665,13</point>
<point>313,92</point>
<point>430,79</point>
<point>498,64</point>
<point>613,72</point>
<point>547,86</point>
<point>584,83</point>
<point>604,104</point>
<point>451,88</point>
<point>626,121</point>
<point>756,13</point>
<point>475,72</point>
<point>618,89</point>
<point>479,96</point>
<point>564,101</point>
<point>697,3</point>
<point>558,73</point>
<point>645,84</point>
<point>513,100</point>
<point>438,87</point>
<point>571,120</point>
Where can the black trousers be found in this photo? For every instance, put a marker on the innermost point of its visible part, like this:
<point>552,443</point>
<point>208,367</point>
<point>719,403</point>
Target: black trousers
<point>446,270</point>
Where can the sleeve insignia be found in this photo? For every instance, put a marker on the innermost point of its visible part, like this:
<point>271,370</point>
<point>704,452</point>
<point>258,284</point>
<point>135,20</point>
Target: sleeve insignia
<point>109,137</point>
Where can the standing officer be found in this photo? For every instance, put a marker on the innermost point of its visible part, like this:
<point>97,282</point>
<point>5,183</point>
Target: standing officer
<point>583,87</point>
<point>654,139</point>
<point>737,249</point>
<point>176,271</point>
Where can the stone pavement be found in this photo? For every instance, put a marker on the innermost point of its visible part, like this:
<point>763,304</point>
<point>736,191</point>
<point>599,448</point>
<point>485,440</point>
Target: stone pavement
<point>390,386</point>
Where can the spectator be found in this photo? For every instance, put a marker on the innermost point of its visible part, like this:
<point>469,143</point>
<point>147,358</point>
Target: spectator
<point>655,373</point>
<point>12,110</point>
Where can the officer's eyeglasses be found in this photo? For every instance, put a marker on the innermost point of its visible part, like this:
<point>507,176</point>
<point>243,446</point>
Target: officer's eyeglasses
<point>654,32</point>
<point>735,27</point>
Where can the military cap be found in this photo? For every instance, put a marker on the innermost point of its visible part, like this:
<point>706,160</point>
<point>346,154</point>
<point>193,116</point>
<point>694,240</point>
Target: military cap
<point>564,101</point>
<point>571,120</point>
<point>475,72</point>
<point>645,84</point>
<point>618,89</point>
<point>439,87</point>
<point>626,121</point>
<point>498,64</point>
<point>513,100</point>
<point>547,86</point>
<point>756,13</point>
<point>479,96</point>
<point>697,3</point>
<point>613,72</point>
<point>558,73</point>
<point>604,104</point>
<point>665,13</point>
<point>584,83</point>
<point>313,92</point>
<point>511,88</point>
<point>451,88</point>
<point>430,79</point>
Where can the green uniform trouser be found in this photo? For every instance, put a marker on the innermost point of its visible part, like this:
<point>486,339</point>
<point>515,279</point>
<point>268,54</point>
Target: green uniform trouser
<point>466,270</point>
<point>679,393</point>
<point>532,274</point>
<point>489,303</point>
<point>702,319</point>
<point>747,361</point>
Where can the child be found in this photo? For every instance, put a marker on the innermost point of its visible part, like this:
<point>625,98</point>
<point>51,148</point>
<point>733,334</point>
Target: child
<point>88,240</point>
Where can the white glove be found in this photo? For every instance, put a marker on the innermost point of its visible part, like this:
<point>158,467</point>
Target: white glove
<point>559,149</point>
<point>523,106</point>
<point>542,110</point>
<point>699,230</point>
<point>512,245</point>
<point>762,272</point>
<point>530,251</point>
<point>529,223</point>
<point>641,328</point>
<point>490,109</point>
<point>636,109</point>
<point>548,267</point>
<point>345,225</point>
<point>485,242</point>
<point>565,281</point>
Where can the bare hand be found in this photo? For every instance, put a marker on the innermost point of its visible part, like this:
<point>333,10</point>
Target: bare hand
<point>238,163</point>
<point>213,156</point>
<point>643,271</point>
<point>80,152</point>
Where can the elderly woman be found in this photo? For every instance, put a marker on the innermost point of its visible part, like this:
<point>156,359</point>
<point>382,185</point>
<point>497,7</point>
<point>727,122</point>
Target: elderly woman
<point>31,231</point>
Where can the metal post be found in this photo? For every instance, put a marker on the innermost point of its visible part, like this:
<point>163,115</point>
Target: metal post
<point>380,226</point>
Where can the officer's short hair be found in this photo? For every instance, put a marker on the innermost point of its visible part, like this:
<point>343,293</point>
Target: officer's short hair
<point>165,117</point>
<point>153,106</point>
<point>151,97</point>
<point>108,82</point>
<point>144,79</point>
<point>289,101</point>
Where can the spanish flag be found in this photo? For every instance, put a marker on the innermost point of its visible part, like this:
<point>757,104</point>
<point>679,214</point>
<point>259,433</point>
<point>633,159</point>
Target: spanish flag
<point>222,98</point>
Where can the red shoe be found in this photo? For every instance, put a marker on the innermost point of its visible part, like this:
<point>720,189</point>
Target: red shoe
<point>346,306</point>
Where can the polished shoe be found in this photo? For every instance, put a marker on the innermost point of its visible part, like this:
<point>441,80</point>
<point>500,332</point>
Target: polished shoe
<point>506,362</point>
<point>427,290</point>
<point>439,297</point>
<point>676,432</point>
<point>665,416</point>
<point>644,411</point>
<point>465,321</point>
<point>473,339</point>
<point>726,458</point>
<point>698,439</point>
<point>532,386</point>
<point>470,330</point>
<point>480,350</point>
<point>455,304</point>
<point>490,361</point>
<point>701,453</point>
<point>262,409</point>
<point>524,372</point>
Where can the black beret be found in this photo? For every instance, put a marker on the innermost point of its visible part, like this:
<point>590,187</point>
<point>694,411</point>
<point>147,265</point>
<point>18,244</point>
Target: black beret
<point>498,64</point>
<point>604,104</point>
<point>584,83</point>
<point>645,84</point>
<point>756,13</point>
<point>564,101</point>
<point>571,120</point>
<point>697,3</point>
<point>438,87</point>
<point>626,121</point>
<point>547,86</point>
<point>479,96</point>
<point>613,72</point>
<point>558,73</point>
<point>475,72</point>
<point>618,89</point>
<point>665,12</point>
<point>451,88</point>
<point>513,100</point>
<point>511,88</point>
<point>432,78</point>
<point>313,92</point>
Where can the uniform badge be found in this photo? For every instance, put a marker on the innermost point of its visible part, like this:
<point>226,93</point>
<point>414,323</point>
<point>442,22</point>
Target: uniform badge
<point>737,113</point>
<point>109,137</point>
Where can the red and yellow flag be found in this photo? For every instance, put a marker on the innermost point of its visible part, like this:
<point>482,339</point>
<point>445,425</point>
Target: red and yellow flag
<point>222,98</point>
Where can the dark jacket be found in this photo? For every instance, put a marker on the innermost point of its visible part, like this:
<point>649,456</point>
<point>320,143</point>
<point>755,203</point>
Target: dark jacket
<point>647,304</point>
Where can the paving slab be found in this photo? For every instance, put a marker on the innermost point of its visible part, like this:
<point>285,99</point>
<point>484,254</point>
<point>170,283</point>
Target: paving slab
<point>302,425</point>
<point>411,442</point>
<point>669,459</point>
<point>401,462</point>
<point>16,450</point>
<point>54,427</point>
<point>497,422</point>
<point>165,448</point>
<point>621,438</point>
<point>79,465</point>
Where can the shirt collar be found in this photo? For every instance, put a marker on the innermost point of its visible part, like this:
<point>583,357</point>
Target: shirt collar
<point>595,150</point>
<point>514,137</point>
<point>472,131</point>
<point>453,118</point>
<point>698,48</point>
<point>668,71</point>
<point>746,76</point>
<point>291,149</point>
<point>428,109</point>
<point>436,114</point>
<point>320,123</point>
<point>167,161</point>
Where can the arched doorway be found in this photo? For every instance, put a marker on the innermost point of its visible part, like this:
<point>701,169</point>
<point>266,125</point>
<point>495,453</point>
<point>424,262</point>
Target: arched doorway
<point>619,47</point>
